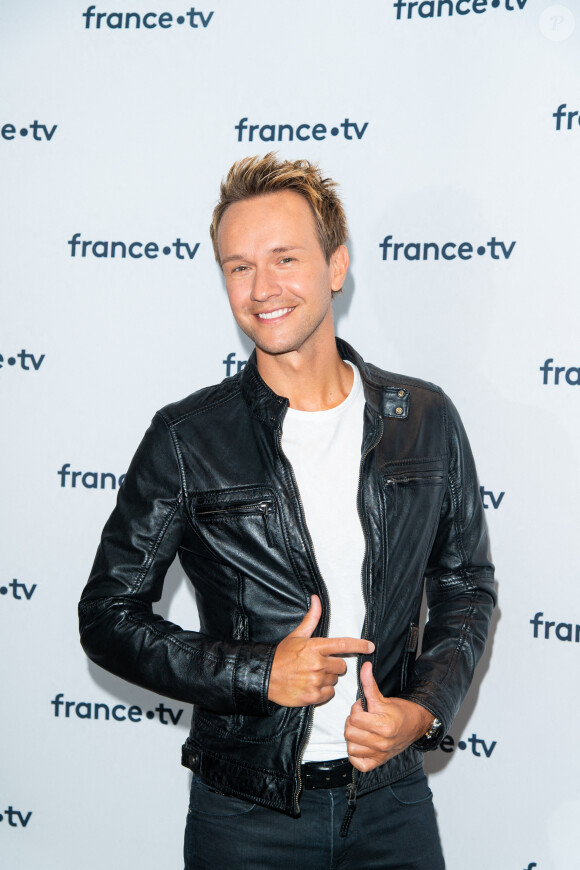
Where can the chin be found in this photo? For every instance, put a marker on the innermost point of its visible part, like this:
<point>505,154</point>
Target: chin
<point>274,349</point>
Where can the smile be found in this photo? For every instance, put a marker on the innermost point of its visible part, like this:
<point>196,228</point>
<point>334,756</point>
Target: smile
<point>272,315</point>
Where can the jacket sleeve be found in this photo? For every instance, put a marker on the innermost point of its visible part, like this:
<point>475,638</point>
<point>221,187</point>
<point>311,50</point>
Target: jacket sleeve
<point>460,590</point>
<point>119,630</point>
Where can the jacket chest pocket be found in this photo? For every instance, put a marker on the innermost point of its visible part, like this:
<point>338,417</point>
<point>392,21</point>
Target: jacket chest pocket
<point>239,513</point>
<point>404,487</point>
<point>413,498</point>
<point>240,526</point>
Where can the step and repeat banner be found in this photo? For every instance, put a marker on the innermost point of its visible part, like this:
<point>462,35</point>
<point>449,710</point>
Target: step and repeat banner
<point>453,128</point>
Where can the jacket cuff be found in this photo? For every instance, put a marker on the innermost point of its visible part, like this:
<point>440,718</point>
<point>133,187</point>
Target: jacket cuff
<point>425,744</point>
<point>252,677</point>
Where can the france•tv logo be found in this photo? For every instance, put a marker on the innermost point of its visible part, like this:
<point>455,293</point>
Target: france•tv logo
<point>40,132</point>
<point>318,131</point>
<point>149,20</point>
<point>105,249</point>
<point>440,8</point>
<point>17,588</point>
<point>552,374</point>
<point>232,364</point>
<point>16,818</point>
<point>564,631</point>
<point>89,479</point>
<point>490,499</point>
<point>25,358</point>
<point>393,251</point>
<point>117,713</point>
<point>563,112</point>
<point>448,745</point>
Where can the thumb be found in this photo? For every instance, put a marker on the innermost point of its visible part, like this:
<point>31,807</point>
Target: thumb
<point>310,621</point>
<point>370,688</point>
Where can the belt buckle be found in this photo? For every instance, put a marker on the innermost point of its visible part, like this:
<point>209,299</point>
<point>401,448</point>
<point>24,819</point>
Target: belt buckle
<point>326,774</point>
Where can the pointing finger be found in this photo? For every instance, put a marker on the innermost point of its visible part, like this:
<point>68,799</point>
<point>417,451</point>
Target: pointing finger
<point>330,646</point>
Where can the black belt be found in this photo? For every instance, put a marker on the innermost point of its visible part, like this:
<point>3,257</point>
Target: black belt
<point>326,774</point>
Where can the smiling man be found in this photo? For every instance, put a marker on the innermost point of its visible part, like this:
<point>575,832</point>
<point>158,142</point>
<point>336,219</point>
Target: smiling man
<point>310,498</point>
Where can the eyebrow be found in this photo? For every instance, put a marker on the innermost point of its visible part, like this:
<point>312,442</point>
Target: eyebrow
<point>282,249</point>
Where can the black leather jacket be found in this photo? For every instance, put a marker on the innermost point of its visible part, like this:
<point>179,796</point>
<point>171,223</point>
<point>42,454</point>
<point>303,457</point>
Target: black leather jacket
<point>210,482</point>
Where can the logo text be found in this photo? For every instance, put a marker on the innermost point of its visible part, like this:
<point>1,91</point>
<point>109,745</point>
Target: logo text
<point>135,250</point>
<point>448,250</point>
<point>118,713</point>
<point>15,818</point>
<point>438,8</point>
<point>40,132</point>
<point>565,631</point>
<point>25,357</point>
<point>448,745</point>
<point>18,587</point>
<point>571,374</point>
<point>149,20</point>
<point>89,479</point>
<point>303,132</point>
<point>562,113</point>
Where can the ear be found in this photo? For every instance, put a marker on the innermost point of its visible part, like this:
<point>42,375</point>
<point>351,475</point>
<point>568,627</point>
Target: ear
<point>338,267</point>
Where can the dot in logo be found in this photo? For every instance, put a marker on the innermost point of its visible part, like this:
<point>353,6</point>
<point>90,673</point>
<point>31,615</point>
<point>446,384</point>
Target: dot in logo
<point>150,714</point>
<point>24,132</point>
<point>481,250</point>
<point>557,23</point>
<point>495,3</point>
<point>3,590</point>
<point>334,131</point>
<point>180,19</point>
<point>462,744</point>
<point>11,361</point>
<point>166,250</point>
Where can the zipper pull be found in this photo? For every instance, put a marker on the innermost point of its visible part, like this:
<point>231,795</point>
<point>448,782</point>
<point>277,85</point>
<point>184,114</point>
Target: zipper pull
<point>350,808</point>
<point>265,510</point>
<point>241,627</point>
<point>392,482</point>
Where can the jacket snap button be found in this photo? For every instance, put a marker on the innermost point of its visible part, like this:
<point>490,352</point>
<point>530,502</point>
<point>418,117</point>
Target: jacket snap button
<point>398,410</point>
<point>400,394</point>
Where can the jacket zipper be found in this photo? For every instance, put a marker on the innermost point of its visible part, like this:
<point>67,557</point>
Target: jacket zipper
<point>262,508</point>
<point>362,522</point>
<point>352,786</point>
<point>323,588</point>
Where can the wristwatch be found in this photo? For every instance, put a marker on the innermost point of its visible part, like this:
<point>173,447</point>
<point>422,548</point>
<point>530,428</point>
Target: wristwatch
<point>433,729</point>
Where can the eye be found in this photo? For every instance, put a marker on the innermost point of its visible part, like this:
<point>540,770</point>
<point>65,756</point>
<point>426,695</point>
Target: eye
<point>239,269</point>
<point>287,259</point>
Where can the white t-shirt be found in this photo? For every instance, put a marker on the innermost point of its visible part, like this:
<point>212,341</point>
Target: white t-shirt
<point>324,448</point>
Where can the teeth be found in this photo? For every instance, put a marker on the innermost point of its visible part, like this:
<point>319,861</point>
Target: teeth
<point>272,314</point>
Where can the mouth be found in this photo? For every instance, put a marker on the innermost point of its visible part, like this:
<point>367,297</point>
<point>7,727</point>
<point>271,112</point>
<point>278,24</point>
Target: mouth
<point>278,314</point>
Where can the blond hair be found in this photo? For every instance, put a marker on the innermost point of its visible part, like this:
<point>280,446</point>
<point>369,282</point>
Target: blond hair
<point>257,176</point>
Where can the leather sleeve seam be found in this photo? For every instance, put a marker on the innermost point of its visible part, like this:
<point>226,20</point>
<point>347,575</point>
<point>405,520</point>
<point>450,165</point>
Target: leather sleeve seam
<point>204,409</point>
<point>191,651</point>
<point>152,552</point>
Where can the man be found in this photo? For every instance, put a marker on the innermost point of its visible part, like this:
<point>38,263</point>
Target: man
<point>308,498</point>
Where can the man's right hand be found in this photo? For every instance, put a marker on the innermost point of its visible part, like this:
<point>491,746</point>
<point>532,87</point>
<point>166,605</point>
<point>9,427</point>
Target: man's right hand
<point>305,668</point>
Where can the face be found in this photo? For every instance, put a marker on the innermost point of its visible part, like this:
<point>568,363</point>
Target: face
<point>278,281</point>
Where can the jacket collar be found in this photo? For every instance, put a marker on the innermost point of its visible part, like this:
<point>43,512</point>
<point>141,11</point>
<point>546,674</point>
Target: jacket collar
<point>383,397</point>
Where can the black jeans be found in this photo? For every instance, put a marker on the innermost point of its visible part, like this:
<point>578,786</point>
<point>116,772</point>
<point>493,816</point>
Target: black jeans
<point>393,828</point>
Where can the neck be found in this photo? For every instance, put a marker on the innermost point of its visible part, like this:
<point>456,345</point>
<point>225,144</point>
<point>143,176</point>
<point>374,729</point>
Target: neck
<point>315,380</point>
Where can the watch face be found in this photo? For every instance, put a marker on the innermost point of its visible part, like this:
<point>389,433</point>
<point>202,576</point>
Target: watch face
<point>434,728</point>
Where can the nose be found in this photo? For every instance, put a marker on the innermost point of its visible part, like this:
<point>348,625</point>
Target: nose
<point>265,285</point>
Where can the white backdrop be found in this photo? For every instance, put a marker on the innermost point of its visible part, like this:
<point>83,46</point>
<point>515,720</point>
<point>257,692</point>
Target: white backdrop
<point>457,128</point>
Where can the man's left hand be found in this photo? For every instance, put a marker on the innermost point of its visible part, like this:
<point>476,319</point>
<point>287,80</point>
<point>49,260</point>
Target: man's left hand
<point>385,728</point>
